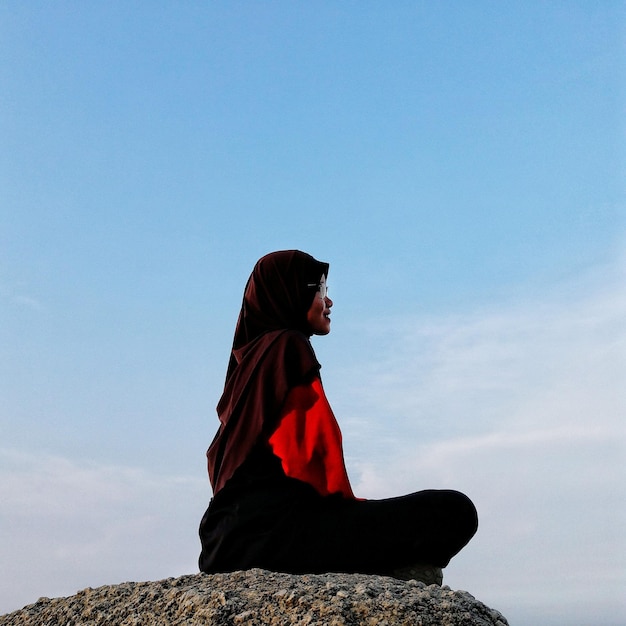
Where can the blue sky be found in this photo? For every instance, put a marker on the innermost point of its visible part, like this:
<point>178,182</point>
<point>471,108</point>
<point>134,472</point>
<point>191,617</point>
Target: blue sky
<point>460,165</point>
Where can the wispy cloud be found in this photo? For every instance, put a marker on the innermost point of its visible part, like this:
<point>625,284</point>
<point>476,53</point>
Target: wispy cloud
<point>557,360</point>
<point>73,525</point>
<point>523,407</point>
<point>26,301</point>
<point>16,297</point>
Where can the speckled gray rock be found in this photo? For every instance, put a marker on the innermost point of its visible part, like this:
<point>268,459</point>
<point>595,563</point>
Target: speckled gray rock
<point>260,597</point>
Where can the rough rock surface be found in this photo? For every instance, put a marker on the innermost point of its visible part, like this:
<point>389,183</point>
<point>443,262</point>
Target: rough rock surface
<point>261,597</point>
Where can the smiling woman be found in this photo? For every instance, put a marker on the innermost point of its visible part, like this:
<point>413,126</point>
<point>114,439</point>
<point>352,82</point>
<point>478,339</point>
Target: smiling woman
<point>282,497</point>
<point>318,315</point>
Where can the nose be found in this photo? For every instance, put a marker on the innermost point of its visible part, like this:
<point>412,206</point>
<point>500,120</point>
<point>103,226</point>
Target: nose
<point>328,301</point>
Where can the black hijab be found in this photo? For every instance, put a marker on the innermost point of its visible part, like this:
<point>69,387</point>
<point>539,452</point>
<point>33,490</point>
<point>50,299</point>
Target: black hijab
<point>271,353</point>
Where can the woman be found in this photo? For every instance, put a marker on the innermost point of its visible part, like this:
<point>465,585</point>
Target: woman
<point>282,498</point>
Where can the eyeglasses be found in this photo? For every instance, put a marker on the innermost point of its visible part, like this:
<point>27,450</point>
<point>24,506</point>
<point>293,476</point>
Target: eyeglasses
<point>322,288</point>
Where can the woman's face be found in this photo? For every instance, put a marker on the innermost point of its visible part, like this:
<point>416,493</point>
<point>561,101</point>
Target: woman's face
<point>318,315</point>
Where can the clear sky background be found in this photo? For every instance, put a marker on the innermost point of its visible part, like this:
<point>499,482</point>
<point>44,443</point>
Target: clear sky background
<point>459,164</point>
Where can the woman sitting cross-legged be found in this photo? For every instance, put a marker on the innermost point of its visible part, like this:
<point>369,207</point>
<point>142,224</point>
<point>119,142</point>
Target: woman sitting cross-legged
<point>282,499</point>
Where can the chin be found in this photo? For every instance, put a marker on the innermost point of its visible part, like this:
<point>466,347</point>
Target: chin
<point>320,327</point>
<point>321,330</point>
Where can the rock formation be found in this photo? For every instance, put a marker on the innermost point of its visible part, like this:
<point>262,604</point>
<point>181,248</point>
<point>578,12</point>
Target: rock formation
<point>259,597</point>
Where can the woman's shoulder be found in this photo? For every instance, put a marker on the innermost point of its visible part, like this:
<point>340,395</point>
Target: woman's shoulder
<point>278,353</point>
<point>272,341</point>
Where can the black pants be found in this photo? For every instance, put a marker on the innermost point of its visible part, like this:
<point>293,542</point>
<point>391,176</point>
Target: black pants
<point>294,529</point>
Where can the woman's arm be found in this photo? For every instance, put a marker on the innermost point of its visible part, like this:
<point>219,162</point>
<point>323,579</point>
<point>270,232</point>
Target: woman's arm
<point>308,441</point>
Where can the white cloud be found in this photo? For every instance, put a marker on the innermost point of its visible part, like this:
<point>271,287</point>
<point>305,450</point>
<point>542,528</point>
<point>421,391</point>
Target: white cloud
<point>72,525</point>
<point>27,301</point>
<point>16,297</point>
<point>522,408</point>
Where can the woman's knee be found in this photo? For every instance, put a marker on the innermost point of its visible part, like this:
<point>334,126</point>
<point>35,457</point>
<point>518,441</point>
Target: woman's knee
<point>462,511</point>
